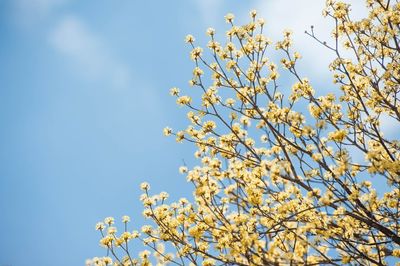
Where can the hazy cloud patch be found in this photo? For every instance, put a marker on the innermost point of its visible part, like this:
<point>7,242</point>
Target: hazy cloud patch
<point>74,40</point>
<point>298,16</point>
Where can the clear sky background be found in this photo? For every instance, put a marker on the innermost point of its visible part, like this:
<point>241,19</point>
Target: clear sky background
<point>83,100</point>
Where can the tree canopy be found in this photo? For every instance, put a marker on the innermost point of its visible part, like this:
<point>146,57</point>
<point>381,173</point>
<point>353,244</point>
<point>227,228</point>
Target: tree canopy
<point>285,176</point>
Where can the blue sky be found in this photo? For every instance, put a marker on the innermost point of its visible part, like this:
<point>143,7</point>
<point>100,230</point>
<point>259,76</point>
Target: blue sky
<point>83,100</point>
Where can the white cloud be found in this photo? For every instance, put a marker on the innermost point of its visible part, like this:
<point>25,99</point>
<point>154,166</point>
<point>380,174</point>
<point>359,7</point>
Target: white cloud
<point>72,38</point>
<point>299,16</point>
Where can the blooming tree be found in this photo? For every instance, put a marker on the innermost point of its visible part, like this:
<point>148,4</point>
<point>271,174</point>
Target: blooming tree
<point>286,177</point>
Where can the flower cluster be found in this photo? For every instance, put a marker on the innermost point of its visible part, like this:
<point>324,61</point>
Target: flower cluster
<point>279,183</point>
